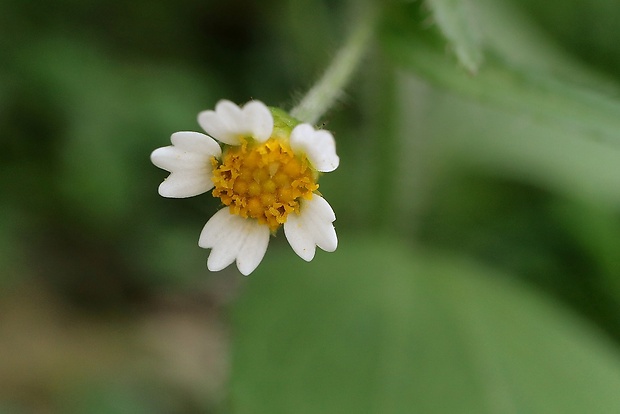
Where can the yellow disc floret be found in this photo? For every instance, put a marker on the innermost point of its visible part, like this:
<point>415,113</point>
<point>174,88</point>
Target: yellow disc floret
<point>264,181</point>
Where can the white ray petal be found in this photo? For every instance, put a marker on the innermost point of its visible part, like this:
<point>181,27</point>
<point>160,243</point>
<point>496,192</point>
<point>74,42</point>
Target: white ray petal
<point>186,183</point>
<point>196,142</point>
<point>311,227</point>
<point>230,114</point>
<point>319,146</point>
<point>229,123</point>
<point>223,123</point>
<point>173,159</point>
<point>258,120</point>
<point>253,249</point>
<point>232,237</point>
<point>214,126</point>
<point>298,237</point>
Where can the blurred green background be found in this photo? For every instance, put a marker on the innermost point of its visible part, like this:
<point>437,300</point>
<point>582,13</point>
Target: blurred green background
<point>477,207</point>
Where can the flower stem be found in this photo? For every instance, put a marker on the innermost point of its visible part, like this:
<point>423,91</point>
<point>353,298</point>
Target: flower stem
<point>329,87</point>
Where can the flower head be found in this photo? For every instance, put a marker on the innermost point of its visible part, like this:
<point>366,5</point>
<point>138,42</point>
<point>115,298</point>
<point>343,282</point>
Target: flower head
<point>264,170</point>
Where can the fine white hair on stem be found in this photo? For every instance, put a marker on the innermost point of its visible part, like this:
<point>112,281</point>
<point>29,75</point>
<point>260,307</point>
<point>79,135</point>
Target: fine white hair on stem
<point>330,86</point>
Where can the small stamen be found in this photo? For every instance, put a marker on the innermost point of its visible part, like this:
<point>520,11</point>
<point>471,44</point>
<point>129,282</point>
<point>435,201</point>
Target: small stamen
<point>263,181</point>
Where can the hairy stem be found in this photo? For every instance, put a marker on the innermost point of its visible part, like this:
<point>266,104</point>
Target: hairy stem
<point>330,86</point>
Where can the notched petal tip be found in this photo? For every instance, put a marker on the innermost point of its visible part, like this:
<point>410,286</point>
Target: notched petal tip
<point>174,159</point>
<point>196,142</point>
<point>232,238</point>
<point>188,161</point>
<point>258,120</point>
<point>329,239</point>
<point>312,227</point>
<point>230,122</point>
<point>215,229</point>
<point>318,145</point>
<point>222,124</point>
<point>298,237</point>
<point>160,155</point>
<point>184,184</point>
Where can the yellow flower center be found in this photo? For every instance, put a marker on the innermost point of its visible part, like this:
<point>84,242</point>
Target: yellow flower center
<point>263,181</point>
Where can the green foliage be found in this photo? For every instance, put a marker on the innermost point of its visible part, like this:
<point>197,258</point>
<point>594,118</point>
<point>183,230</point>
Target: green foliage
<point>387,328</point>
<point>457,22</point>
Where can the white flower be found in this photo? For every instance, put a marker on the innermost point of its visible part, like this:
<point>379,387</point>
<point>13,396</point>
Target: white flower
<point>265,176</point>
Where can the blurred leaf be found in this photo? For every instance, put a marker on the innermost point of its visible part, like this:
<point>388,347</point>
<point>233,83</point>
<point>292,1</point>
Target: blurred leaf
<point>111,399</point>
<point>520,91</point>
<point>588,29</point>
<point>377,328</point>
<point>596,229</point>
<point>8,408</point>
<point>524,146</point>
<point>525,76</point>
<point>527,113</point>
<point>115,118</point>
<point>456,21</point>
<point>508,32</point>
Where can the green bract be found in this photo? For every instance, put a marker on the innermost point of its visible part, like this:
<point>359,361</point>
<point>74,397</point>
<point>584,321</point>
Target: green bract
<point>283,123</point>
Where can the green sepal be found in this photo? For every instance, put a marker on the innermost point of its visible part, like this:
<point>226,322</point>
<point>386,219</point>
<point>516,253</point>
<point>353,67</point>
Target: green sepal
<point>283,123</point>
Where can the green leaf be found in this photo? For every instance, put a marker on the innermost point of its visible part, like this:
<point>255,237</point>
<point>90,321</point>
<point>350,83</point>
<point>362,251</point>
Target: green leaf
<point>457,23</point>
<point>522,74</point>
<point>555,153</point>
<point>529,113</point>
<point>379,328</point>
<point>520,91</point>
